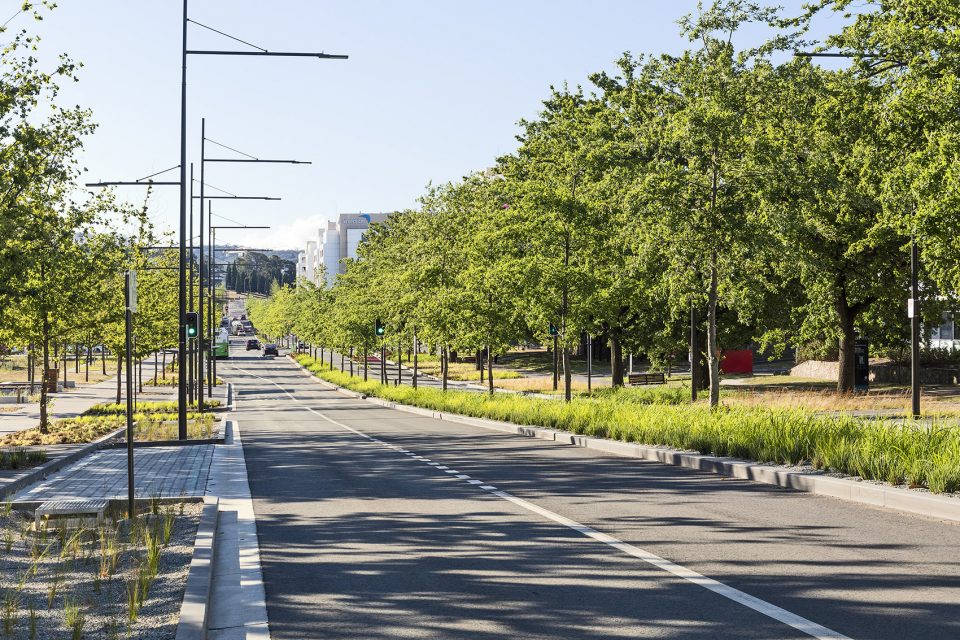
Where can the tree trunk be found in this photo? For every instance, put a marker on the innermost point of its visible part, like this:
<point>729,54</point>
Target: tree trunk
<point>365,364</point>
<point>616,358</point>
<point>848,338</point>
<point>86,366</point>
<point>119,371</point>
<point>43,375</point>
<point>103,359</point>
<point>164,367</point>
<point>713,348</point>
<point>480,364</point>
<point>490,369</point>
<point>566,374</point>
<point>140,375</point>
<point>416,350</point>
<point>443,368</point>
<point>556,364</point>
<point>156,359</point>
<point>66,360</point>
<point>351,362</point>
<point>76,359</point>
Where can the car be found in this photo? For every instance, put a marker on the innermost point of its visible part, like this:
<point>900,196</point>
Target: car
<point>271,350</point>
<point>301,345</point>
<point>253,345</point>
<point>241,332</point>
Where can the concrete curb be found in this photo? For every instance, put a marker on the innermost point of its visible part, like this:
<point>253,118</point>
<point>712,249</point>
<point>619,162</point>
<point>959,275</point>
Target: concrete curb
<point>39,473</point>
<point>894,498</point>
<point>194,610</point>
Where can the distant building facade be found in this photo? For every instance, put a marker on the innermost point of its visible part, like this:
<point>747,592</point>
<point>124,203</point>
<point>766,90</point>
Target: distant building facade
<point>334,243</point>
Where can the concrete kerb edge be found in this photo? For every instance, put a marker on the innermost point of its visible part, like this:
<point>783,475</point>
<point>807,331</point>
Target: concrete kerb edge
<point>892,498</point>
<point>195,607</point>
<point>39,473</point>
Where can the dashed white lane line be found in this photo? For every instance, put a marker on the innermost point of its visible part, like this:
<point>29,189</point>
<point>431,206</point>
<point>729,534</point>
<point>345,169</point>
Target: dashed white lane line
<point>761,606</point>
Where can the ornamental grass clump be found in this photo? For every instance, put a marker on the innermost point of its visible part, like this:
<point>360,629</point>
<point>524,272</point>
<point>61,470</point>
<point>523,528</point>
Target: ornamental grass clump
<point>871,449</point>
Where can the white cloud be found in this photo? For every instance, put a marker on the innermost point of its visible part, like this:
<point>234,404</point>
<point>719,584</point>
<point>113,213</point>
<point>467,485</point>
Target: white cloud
<point>292,235</point>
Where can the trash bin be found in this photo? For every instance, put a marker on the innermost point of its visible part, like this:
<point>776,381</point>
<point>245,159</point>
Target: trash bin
<point>51,377</point>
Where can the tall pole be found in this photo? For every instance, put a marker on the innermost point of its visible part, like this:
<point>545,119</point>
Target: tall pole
<point>191,361</point>
<point>212,303</point>
<point>128,330</point>
<point>213,360</point>
<point>914,329</point>
<point>589,364</point>
<point>182,302</point>
<point>694,355</point>
<point>201,336</point>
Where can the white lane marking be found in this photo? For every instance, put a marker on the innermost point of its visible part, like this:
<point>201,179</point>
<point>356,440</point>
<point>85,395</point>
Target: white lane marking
<point>452,472</point>
<point>463,477</point>
<point>760,606</point>
<point>475,481</point>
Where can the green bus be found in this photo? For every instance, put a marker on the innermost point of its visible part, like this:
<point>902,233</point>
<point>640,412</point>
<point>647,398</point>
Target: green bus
<point>221,347</point>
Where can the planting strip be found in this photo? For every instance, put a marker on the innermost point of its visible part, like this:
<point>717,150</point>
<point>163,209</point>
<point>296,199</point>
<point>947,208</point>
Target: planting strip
<point>894,498</point>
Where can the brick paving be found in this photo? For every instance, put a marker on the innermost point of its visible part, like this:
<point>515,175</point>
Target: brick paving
<point>158,472</point>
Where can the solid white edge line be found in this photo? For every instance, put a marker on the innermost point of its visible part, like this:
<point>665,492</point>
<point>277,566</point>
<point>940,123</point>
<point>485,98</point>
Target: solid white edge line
<point>751,602</point>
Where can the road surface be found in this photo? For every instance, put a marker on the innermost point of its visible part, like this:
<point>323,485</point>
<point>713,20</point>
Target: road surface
<point>375,523</point>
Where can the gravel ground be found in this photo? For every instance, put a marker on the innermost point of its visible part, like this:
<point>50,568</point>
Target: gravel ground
<point>79,571</point>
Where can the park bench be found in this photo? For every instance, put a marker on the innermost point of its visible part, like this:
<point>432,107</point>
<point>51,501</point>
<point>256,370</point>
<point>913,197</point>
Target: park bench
<point>646,378</point>
<point>21,389</point>
<point>70,512</point>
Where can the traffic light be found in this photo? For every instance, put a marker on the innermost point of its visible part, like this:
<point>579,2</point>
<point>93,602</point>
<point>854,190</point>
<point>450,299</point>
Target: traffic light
<point>553,330</point>
<point>378,328</point>
<point>191,323</point>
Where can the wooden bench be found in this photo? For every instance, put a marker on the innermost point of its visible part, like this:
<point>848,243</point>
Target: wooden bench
<point>646,378</point>
<point>70,511</point>
<point>20,389</point>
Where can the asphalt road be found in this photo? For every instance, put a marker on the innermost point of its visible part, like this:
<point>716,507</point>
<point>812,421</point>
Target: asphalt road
<point>375,523</point>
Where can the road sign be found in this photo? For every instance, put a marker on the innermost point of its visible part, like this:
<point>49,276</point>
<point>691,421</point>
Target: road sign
<point>132,291</point>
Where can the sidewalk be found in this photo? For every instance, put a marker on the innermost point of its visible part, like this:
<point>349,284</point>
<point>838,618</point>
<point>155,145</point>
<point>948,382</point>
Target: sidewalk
<point>168,472</point>
<point>72,403</point>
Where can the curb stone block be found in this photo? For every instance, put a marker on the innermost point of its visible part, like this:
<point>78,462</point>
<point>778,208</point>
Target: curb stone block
<point>195,608</point>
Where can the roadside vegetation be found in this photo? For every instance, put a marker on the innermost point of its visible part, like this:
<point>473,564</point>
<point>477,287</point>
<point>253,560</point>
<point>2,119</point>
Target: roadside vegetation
<point>896,454</point>
<point>152,421</point>
<point>116,579</point>
<point>765,199</point>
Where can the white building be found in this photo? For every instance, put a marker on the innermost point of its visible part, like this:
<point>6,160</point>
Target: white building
<point>335,242</point>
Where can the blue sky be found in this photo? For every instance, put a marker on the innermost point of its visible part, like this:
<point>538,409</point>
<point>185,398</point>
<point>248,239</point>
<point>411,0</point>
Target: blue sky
<point>432,90</point>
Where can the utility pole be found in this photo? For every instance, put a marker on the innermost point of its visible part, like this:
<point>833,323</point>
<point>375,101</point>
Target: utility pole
<point>914,329</point>
<point>182,307</point>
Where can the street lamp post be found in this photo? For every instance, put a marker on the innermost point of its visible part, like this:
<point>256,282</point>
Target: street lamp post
<point>913,304</point>
<point>182,307</point>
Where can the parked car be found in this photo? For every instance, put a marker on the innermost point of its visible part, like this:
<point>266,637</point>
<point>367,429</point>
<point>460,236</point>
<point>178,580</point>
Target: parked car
<point>241,332</point>
<point>253,345</point>
<point>271,350</point>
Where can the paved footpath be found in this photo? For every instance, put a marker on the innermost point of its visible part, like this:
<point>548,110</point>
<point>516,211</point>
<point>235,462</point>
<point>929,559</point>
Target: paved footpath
<point>158,472</point>
<point>375,524</point>
<point>73,402</point>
